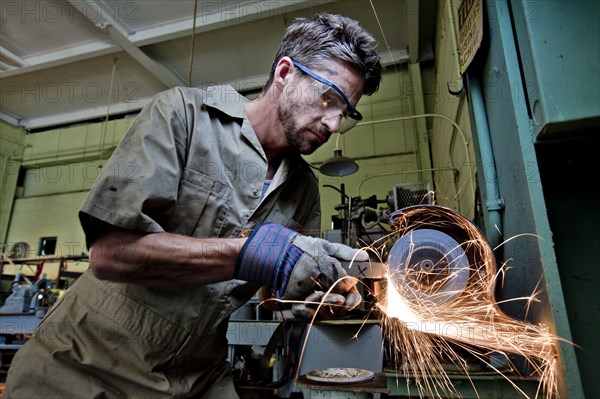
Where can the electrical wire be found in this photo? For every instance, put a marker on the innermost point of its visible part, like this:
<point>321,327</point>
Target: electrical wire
<point>110,97</point>
<point>192,45</point>
<point>453,123</point>
<point>385,39</point>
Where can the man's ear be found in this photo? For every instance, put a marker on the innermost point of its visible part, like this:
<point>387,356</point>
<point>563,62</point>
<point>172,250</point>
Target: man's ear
<point>283,71</point>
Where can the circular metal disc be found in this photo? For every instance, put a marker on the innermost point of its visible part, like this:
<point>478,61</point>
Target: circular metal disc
<point>428,264</point>
<point>340,375</point>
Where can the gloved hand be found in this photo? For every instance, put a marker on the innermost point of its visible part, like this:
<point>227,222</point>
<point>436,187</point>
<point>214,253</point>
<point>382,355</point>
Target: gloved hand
<point>296,266</point>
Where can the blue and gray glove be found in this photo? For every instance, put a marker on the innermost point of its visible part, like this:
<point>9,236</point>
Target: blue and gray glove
<point>296,266</point>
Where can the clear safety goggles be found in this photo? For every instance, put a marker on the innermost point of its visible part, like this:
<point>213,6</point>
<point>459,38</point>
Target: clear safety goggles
<point>331,100</point>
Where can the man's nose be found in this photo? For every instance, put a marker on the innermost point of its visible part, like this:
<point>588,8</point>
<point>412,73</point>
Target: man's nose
<point>333,123</point>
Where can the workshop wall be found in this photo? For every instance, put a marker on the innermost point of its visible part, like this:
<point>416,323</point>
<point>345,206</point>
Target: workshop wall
<point>57,169</point>
<point>12,145</point>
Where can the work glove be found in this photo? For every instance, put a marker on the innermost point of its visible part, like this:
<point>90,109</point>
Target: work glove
<point>296,266</point>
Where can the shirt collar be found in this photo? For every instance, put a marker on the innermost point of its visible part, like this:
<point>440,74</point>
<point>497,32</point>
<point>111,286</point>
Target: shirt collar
<point>226,99</point>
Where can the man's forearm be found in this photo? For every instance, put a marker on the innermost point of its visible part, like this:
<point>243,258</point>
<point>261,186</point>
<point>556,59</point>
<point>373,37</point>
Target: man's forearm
<point>163,259</point>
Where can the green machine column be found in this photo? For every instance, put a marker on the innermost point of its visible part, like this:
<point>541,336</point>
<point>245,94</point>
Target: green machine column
<point>518,190</point>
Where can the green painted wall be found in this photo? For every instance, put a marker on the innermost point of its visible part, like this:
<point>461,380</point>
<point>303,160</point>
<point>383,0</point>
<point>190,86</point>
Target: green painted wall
<point>12,145</point>
<point>57,168</point>
<point>86,142</point>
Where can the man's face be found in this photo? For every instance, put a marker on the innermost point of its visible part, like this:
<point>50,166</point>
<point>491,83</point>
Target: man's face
<point>306,125</point>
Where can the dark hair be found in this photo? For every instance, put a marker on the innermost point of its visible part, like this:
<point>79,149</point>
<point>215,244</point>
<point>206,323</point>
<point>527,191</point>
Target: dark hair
<point>330,36</point>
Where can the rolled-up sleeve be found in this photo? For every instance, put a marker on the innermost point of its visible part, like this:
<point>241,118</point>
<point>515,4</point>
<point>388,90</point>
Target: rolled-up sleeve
<point>139,183</point>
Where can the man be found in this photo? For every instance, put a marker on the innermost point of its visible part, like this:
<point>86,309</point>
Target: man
<point>205,200</point>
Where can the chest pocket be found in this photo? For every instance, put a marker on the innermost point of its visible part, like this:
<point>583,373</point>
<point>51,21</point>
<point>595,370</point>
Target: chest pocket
<point>202,206</point>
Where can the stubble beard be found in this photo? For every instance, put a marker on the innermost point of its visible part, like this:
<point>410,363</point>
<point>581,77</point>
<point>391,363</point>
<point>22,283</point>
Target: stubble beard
<point>299,138</point>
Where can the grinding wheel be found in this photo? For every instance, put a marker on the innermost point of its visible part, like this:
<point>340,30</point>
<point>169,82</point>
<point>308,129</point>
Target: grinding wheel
<point>429,265</point>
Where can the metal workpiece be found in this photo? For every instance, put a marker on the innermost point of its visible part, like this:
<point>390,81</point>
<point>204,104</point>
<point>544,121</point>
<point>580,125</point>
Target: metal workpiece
<point>373,270</point>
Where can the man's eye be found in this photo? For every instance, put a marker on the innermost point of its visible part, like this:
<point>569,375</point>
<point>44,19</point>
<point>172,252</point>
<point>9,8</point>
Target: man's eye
<point>327,100</point>
<point>330,100</point>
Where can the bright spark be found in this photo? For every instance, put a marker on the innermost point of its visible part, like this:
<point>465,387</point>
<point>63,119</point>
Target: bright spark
<point>424,335</point>
<point>394,306</point>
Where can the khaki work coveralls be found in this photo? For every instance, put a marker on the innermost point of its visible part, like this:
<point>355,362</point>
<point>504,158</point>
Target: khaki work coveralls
<point>190,164</point>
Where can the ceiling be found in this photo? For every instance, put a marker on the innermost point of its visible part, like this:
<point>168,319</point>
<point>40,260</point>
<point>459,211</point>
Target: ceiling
<point>58,58</point>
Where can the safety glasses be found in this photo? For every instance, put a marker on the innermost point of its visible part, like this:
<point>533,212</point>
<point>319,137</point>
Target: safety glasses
<point>332,101</point>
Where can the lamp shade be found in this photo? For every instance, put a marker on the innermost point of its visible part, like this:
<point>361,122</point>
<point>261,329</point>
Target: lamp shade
<point>338,165</point>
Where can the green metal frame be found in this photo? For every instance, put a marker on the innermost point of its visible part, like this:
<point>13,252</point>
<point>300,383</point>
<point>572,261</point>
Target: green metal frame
<point>531,255</point>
